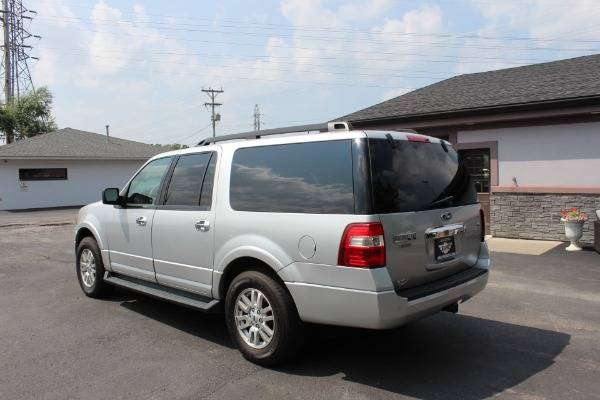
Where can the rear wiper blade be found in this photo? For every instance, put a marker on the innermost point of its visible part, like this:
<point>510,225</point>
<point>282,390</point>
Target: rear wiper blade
<point>440,201</point>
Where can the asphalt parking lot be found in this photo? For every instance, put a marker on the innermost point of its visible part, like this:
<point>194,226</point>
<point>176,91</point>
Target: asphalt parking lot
<point>534,333</point>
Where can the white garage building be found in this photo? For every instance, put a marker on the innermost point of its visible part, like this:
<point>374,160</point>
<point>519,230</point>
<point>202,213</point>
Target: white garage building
<point>67,167</point>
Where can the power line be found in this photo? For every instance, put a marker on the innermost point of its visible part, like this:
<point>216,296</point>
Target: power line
<point>259,68</point>
<point>312,28</point>
<point>280,60</point>
<point>169,27</point>
<point>438,57</point>
<point>193,134</point>
<point>212,95</point>
<point>507,59</point>
<point>232,78</point>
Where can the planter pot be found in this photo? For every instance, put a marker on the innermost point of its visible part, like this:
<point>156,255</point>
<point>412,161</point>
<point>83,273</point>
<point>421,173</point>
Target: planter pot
<point>573,232</point>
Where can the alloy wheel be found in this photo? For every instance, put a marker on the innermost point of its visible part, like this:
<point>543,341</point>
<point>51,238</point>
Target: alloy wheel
<point>254,318</point>
<point>87,266</point>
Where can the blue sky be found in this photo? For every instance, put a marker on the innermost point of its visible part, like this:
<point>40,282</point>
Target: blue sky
<point>140,65</point>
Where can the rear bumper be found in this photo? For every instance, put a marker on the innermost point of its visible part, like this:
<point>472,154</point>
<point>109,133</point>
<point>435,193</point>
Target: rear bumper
<point>384,309</point>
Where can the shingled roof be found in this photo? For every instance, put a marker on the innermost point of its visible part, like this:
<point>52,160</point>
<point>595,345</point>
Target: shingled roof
<point>575,78</point>
<point>69,143</point>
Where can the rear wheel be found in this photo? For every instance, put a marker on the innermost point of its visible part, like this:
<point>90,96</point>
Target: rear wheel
<point>262,319</point>
<point>90,270</point>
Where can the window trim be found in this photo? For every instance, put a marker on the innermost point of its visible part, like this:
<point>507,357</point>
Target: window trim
<point>167,181</point>
<point>352,161</point>
<point>43,179</point>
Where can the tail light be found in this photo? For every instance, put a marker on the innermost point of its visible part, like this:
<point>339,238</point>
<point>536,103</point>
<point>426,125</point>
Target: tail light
<point>362,246</point>
<point>482,223</point>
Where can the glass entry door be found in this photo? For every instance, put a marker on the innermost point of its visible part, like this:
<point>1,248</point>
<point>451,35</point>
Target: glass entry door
<point>477,162</point>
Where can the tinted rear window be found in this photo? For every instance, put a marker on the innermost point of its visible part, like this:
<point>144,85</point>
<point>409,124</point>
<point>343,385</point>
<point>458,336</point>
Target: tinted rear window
<point>295,178</point>
<point>186,182</point>
<point>413,176</point>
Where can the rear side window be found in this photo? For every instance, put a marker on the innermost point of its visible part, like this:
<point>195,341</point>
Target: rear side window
<point>186,181</point>
<point>294,178</point>
<point>415,176</point>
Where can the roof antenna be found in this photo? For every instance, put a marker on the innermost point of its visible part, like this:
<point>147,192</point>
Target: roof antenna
<point>107,126</point>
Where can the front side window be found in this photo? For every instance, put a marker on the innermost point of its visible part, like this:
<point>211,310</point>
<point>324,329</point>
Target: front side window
<point>295,178</point>
<point>145,186</point>
<point>186,181</point>
<point>415,176</point>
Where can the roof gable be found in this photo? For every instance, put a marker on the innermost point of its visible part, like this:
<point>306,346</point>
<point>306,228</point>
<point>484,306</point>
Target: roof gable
<point>558,80</point>
<point>69,143</point>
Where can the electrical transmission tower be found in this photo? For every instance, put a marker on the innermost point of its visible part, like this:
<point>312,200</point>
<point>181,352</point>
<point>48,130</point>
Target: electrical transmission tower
<point>256,118</point>
<point>212,95</point>
<point>15,72</point>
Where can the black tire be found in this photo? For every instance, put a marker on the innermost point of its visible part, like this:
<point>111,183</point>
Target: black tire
<point>288,329</point>
<point>98,288</point>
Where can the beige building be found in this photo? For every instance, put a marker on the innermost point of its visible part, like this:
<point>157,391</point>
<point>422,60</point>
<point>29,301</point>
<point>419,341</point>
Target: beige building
<point>529,135</point>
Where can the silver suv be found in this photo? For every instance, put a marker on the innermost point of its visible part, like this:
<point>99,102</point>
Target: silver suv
<point>347,227</point>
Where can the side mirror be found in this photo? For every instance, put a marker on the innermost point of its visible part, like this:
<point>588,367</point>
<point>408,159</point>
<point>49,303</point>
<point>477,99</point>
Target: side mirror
<point>111,196</point>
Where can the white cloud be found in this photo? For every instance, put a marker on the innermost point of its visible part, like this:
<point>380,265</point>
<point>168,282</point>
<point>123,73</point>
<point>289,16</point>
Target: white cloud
<point>47,69</point>
<point>366,10</point>
<point>57,10</point>
<point>104,42</point>
<point>427,19</point>
<point>534,19</point>
<point>403,41</point>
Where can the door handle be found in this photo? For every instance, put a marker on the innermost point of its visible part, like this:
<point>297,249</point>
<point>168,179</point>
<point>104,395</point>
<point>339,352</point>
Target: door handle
<point>141,221</point>
<point>202,225</point>
<point>443,231</point>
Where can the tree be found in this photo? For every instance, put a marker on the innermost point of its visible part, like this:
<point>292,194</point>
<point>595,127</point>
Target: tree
<point>30,116</point>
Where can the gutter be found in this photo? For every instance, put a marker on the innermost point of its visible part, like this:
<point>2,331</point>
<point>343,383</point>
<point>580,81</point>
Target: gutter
<point>505,108</point>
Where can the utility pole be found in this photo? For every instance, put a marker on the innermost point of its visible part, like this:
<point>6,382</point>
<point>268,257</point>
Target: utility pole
<point>15,68</point>
<point>6,49</point>
<point>256,118</point>
<point>212,95</point>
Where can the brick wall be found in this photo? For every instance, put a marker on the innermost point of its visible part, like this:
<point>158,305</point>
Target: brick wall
<point>537,215</point>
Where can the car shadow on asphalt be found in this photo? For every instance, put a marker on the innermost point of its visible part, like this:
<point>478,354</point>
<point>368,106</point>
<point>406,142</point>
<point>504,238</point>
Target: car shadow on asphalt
<point>207,326</point>
<point>445,356</point>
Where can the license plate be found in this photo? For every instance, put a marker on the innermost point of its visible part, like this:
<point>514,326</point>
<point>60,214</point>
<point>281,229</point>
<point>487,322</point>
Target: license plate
<point>445,248</point>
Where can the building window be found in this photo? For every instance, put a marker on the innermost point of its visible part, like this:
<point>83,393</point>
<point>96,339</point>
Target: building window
<point>42,174</point>
<point>478,165</point>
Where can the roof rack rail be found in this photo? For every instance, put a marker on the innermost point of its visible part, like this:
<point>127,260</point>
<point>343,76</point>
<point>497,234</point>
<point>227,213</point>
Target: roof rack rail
<point>323,127</point>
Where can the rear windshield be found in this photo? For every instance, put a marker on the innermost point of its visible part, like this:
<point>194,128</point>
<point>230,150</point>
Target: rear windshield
<point>416,176</point>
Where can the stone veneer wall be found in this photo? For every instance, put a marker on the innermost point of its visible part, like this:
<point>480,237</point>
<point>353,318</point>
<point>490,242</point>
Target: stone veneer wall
<point>537,215</point>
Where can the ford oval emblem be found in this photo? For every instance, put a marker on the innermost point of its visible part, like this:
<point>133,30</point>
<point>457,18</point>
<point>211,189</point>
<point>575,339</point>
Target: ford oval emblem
<point>447,216</point>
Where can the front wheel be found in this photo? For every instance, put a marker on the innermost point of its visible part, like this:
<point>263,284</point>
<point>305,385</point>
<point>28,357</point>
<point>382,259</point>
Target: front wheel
<point>262,319</point>
<point>90,270</point>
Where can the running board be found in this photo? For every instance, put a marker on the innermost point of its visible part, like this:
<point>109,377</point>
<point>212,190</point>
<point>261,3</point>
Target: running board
<point>172,295</point>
